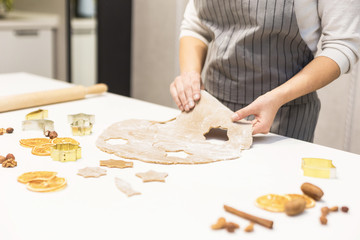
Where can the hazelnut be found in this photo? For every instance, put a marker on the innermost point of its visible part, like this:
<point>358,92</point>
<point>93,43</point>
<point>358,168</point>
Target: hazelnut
<point>9,130</point>
<point>250,227</point>
<point>230,227</point>
<point>334,209</point>
<point>220,224</point>
<point>325,211</point>
<point>10,156</point>
<point>2,159</point>
<point>323,220</point>
<point>344,209</point>
<point>53,134</point>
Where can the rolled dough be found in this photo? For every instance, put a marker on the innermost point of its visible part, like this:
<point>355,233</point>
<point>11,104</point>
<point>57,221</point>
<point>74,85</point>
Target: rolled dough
<point>152,141</point>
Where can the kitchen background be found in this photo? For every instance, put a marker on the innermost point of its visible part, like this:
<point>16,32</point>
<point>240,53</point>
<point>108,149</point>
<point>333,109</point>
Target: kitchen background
<point>136,54</point>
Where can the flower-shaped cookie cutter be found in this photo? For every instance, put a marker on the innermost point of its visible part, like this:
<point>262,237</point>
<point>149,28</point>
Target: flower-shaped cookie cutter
<point>65,152</point>
<point>38,124</point>
<point>38,114</point>
<point>81,124</point>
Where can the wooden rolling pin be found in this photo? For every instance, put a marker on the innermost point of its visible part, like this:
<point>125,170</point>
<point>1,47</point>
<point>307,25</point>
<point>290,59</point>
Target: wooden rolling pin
<point>26,100</point>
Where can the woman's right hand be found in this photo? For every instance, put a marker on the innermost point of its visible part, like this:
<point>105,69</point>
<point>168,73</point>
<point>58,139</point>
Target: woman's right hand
<point>185,90</point>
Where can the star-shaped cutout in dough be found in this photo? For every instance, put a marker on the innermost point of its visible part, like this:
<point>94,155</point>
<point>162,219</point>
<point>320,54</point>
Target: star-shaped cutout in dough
<point>152,176</point>
<point>91,172</point>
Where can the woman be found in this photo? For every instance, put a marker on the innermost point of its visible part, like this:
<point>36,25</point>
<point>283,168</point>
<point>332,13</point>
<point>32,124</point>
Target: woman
<point>257,57</point>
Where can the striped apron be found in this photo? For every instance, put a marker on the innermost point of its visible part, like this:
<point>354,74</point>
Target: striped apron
<point>256,46</point>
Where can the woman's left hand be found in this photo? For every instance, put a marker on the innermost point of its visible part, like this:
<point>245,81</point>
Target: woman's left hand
<point>264,109</point>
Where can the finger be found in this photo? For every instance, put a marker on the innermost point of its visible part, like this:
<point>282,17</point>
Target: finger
<point>181,94</point>
<point>175,96</point>
<point>196,84</point>
<point>260,128</point>
<point>242,113</point>
<point>189,96</point>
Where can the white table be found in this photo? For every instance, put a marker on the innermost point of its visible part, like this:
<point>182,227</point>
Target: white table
<point>182,208</point>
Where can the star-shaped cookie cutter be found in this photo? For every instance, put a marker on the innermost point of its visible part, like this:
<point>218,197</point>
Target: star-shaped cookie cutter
<point>38,124</point>
<point>81,123</point>
<point>38,114</point>
<point>65,152</point>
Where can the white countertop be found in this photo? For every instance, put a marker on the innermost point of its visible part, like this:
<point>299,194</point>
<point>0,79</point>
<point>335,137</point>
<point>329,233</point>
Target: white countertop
<point>29,20</point>
<point>185,206</point>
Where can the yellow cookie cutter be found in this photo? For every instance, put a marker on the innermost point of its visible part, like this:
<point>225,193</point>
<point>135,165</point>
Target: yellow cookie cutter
<point>38,114</point>
<point>65,152</point>
<point>38,124</point>
<point>318,167</point>
<point>81,124</point>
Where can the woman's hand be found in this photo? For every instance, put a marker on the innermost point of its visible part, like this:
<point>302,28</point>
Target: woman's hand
<point>264,108</point>
<point>185,90</point>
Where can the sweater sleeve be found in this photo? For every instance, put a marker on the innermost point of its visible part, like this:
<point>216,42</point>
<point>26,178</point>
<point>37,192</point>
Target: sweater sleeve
<point>340,23</point>
<point>192,26</point>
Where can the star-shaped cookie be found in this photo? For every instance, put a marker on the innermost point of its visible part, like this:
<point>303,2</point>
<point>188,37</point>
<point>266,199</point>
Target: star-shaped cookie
<point>152,176</point>
<point>91,172</point>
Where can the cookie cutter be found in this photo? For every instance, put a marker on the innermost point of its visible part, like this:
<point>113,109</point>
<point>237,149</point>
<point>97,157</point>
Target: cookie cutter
<point>65,152</point>
<point>38,124</point>
<point>81,124</point>
<point>318,167</point>
<point>38,114</point>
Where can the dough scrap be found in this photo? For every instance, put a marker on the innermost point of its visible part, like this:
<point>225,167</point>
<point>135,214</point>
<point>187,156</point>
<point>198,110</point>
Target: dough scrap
<point>91,172</point>
<point>152,176</point>
<point>111,163</point>
<point>152,141</point>
<point>125,187</point>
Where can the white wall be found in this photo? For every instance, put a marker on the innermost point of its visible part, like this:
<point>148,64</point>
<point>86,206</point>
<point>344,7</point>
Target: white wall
<point>155,43</point>
<point>340,113</point>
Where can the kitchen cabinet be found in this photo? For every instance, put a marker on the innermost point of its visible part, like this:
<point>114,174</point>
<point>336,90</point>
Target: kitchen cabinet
<point>27,43</point>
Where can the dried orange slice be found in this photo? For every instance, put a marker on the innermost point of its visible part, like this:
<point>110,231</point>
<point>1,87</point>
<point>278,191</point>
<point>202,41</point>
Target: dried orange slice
<point>65,140</point>
<point>38,175</point>
<point>309,201</point>
<point>51,185</point>
<point>272,202</point>
<point>32,142</point>
<point>42,150</point>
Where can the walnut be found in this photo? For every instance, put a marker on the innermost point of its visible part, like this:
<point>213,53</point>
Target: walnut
<point>53,134</point>
<point>9,130</point>
<point>9,163</point>
<point>2,159</point>
<point>2,131</point>
<point>10,156</point>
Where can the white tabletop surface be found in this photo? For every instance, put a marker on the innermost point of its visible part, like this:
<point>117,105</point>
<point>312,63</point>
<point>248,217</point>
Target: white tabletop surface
<point>185,206</point>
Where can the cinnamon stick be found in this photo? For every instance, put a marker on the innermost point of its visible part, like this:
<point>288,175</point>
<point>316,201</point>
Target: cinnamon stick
<point>261,221</point>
